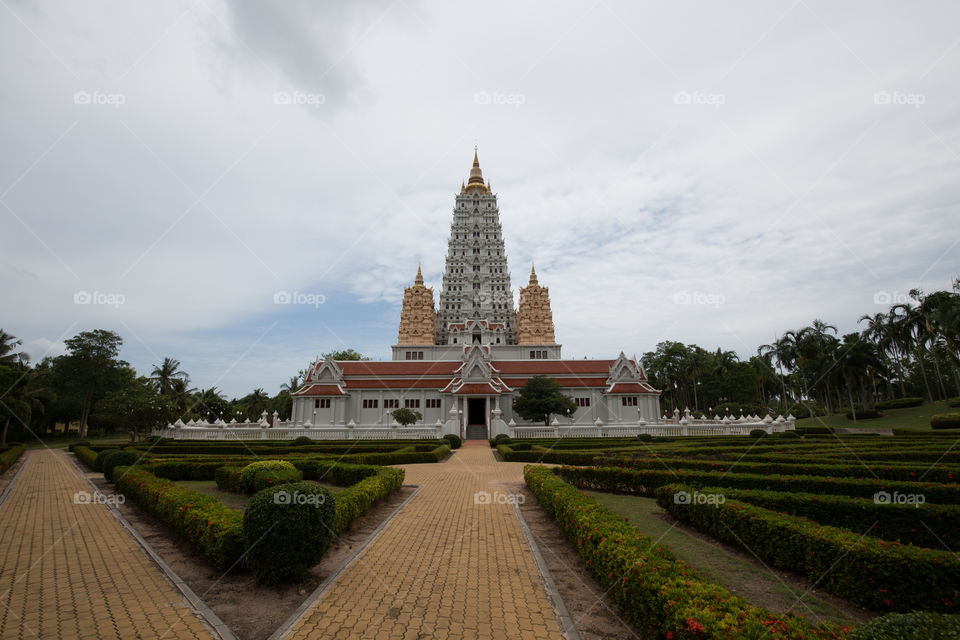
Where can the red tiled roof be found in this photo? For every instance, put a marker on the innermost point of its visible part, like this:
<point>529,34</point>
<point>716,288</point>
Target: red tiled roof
<point>399,368</point>
<point>316,389</point>
<point>564,382</point>
<point>478,389</point>
<point>554,367</point>
<point>397,383</point>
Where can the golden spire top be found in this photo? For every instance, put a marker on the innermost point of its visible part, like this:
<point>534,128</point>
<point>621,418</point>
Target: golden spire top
<point>476,176</point>
<point>476,161</point>
<point>533,274</point>
<point>419,279</point>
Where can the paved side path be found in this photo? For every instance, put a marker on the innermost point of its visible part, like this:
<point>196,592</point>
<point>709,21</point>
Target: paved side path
<point>71,570</point>
<point>445,567</point>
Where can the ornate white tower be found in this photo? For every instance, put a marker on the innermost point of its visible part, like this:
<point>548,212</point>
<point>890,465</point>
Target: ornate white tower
<point>476,283</point>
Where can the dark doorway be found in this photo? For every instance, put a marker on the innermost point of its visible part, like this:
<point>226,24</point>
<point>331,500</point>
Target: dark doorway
<point>476,413</point>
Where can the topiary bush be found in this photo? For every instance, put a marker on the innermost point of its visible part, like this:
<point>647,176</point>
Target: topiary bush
<point>945,421</point>
<point>758,433</point>
<point>918,625</point>
<point>98,461</point>
<point>273,477</point>
<point>287,529</point>
<point>116,458</point>
<point>502,438</point>
<point>249,473</point>
<point>301,441</point>
<point>454,440</point>
<point>644,437</point>
<point>863,414</point>
<point>82,443</point>
<point>228,479</point>
<point>899,403</point>
<point>953,402</point>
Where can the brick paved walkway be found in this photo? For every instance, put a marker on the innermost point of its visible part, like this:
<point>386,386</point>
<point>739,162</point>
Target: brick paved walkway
<point>71,571</point>
<point>445,567</point>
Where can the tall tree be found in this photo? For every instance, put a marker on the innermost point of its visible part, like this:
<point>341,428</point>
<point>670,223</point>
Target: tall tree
<point>165,373</point>
<point>90,369</point>
<point>542,397</point>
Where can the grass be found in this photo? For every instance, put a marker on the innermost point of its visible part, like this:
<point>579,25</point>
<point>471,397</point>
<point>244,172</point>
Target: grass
<point>914,418</point>
<point>755,584</point>
<point>232,500</point>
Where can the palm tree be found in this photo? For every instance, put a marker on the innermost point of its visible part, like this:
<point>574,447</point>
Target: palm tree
<point>9,353</point>
<point>165,373</point>
<point>256,403</point>
<point>292,385</point>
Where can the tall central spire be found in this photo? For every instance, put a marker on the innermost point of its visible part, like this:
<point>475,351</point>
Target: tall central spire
<point>475,183</point>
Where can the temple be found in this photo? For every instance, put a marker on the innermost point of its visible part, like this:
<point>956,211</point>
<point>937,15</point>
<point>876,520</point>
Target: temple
<point>461,358</point>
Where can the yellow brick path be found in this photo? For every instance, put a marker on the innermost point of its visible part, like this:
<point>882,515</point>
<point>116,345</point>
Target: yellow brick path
<point>71,571</point>
<point>444,567</point>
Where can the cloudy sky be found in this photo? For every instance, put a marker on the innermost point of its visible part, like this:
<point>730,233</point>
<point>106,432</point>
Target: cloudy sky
<point>689,171</point>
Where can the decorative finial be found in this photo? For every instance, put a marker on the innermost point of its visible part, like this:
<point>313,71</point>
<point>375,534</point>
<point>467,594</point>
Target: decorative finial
<point>419,278</point>
<point>533,274</point>
<point>476,160</point>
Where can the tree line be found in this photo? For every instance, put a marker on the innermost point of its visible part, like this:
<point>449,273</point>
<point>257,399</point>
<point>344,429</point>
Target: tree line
<point>91,386</point>
<point>911,349</point>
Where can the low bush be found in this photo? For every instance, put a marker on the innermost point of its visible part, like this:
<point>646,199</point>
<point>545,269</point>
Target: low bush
<point>885,518</point>
<point>510,454</point>
<point>945,421</point>
<point>814,431</point>
<point>645,482</point>
<point>74,445</point>
<point>758,433</point>
<point>884,576</point>
<point>86,454</point>
<point>9,456</point>
<point>644,437</point>
<point>454,440</point>
<point>271,477</point>
<point>661,596</point>
<point>301,441</point>
<point>115,458</point>
<point>899,403</point>
<point>288,529</point>
<point>953,402</point>
<point>266,468</point>
<point>353,502</point>
<point>205,521</point>
<point>228,479</point>
<point>919,625</point>
<point>101,456</point>
<point>804,411</point>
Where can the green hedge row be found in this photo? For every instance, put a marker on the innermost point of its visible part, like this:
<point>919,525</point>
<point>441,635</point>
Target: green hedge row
<point>661,596</point>
<point>645,482</point>
<point>916,524</point>
<point>86,454</point>
<point>899,403</point>
<point>274,448</point>
<point>11,455</point>
<point>510,454</point>
<point>228,479</point>
<point>353,501</point>
<point>920,625</point>
<point>886,472</point>
<point>945,421</point>
<point>885,576</point>
<point>203,520</point>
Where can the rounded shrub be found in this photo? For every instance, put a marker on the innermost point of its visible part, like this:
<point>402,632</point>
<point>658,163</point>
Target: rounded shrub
<point>273,477</point>
<point>117,458</point>
<point>101,456</point>
<point>454,440</point>
<point>287,529</point>
<point>82,443</point>
<point>502,438</point>
<point>644,437</point>
<point>945,421</point>
<point>863,414</point>
<point>301,441</point>
<point>250,472</point>
<point>899,403</point>
<point>758,433</point>
<point>918,625</point>
<point>953,402</point>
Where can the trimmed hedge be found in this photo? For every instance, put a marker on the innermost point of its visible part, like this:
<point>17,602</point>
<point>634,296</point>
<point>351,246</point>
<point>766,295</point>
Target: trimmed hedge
<point>228,479</point>
<point>116,458</point>
<point>863,414</point>
<point>511,454</point>
<point>661,596</point>
<point>885,576</point>
<point>258,473</point>
<point>919,625</point>
<point>353,502</point>
<point>101,456</point>
<point>644,482</point>
<point>74,445</point>
<point>945,421</point>
<point>86,454</point>
<point>953,402</point>
<point>288,529</point>
<point>201,519</point>
<point>899,403</point>
<point>454,440</point>
<point>892,522</point>
<point>11,455</point>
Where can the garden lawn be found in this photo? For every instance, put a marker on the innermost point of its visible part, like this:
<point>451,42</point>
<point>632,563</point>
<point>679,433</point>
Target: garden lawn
<point>232,500</point>
<point>916,418</point>
<point>714,562</point>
